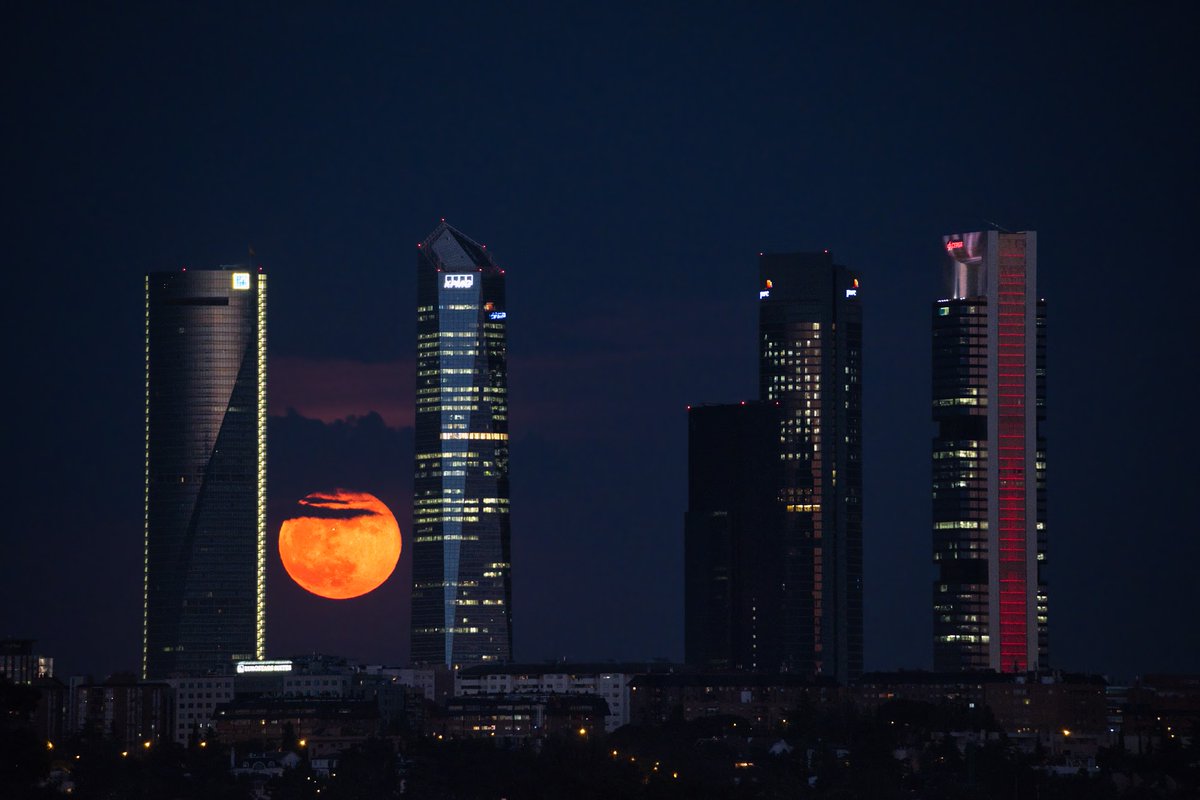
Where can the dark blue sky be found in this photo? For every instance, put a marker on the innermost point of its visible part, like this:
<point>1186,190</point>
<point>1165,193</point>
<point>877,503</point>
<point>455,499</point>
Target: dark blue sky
<point>625,163</point>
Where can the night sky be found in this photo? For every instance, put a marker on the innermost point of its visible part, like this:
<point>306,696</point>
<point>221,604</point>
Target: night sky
<point>625,164</point>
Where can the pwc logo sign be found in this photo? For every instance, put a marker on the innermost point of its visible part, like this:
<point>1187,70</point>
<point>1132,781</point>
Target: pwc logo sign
<point>458,280</point>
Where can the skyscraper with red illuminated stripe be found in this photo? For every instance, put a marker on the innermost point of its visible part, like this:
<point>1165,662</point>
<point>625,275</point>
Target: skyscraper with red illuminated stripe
<point>989,456</point>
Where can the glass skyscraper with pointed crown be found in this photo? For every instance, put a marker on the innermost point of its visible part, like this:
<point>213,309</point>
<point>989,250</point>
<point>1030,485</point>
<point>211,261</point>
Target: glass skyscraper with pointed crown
<point>462,592</point>
<point>989,456</point>
<point>205,501</point>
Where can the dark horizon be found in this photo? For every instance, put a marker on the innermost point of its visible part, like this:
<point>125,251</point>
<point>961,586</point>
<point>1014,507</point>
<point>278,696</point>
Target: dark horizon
<point>625,170</point>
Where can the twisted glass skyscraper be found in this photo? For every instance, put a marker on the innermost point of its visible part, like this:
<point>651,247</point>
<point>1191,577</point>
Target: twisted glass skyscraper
<point>205,504</point>
<point>461,599</point>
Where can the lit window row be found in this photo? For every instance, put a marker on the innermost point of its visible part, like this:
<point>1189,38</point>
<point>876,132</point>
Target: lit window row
<point>449,537</point>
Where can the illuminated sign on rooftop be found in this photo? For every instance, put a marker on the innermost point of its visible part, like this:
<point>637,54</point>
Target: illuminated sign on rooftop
<point>498,315</point>
<point>954,246</point>
<point>458,280</point>
<point>241,280</point>
<point>263,666</point>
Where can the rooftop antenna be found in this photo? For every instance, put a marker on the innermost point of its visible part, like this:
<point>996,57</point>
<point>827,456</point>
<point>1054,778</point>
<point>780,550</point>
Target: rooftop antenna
<point>997,226</point>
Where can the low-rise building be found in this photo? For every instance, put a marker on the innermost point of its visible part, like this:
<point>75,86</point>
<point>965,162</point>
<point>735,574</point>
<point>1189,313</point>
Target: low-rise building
<point>135,713</point>
<point>20,664</point>
<point>435,683</point>
<point>607,681</point>
<point>523,716</point>
<point>761,700</point>
<point>197,697</point>
<point>276,721</point>
<point>1028,703</point>
<point>1050,704</point>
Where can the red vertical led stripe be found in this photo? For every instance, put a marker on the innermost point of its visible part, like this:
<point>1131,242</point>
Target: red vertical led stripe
<point>1011,395</point>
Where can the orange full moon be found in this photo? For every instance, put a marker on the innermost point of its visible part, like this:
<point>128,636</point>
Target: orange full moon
<point>345,545</point>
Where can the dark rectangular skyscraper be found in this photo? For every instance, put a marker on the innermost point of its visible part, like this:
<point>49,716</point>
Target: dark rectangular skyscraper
<point>989,456</point>
<point>461,599</point>
<point>206,428</point>
<point>732,537</point>
<point>810,361</point>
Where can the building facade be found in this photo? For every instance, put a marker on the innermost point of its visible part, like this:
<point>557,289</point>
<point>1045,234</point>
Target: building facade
<point>607,681</point>
<point>461,599</point>
<point>205,500</point>
<point>810,362</point>
<point>761,702</point>
<point>989,456</point>
<point>732,537</point>
<point>136,714</point>
<point>20,664</point>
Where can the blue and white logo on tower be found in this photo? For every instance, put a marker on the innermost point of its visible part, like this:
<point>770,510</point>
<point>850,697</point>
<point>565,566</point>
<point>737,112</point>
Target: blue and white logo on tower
<point>458,280</point>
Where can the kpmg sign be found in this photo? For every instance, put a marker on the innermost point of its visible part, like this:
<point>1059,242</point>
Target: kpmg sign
<point>458,280</point>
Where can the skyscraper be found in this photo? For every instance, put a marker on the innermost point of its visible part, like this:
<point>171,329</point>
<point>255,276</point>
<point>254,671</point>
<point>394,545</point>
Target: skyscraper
<point>773,532</point>
<point>461,599</point>
<point>810,361</point>
<point>989,456</point>
<point>731,537</point>
<point>205,504</point>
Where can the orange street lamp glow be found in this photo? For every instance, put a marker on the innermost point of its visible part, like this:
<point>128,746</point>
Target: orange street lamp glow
<point>348,546</point>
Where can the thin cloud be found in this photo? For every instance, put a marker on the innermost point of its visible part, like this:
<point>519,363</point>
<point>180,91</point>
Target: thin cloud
<point>337,389</point>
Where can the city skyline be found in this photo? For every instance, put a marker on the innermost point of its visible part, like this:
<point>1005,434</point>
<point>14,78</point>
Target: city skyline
<point>632,171</point>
